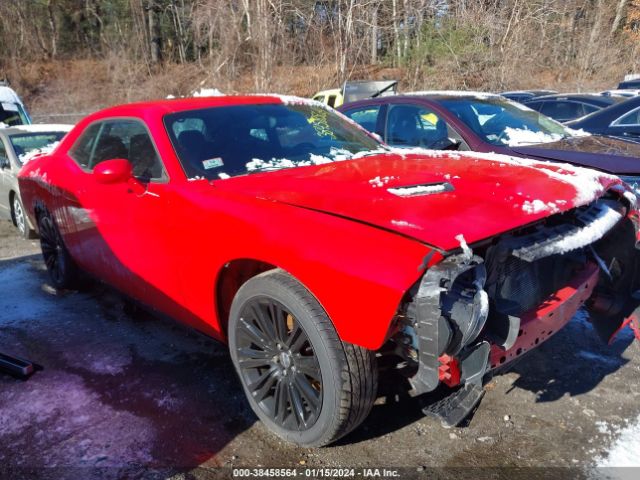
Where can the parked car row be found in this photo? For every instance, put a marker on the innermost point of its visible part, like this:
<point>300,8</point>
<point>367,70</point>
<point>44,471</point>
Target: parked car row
<point>316,251</point>
<point>481,122</point>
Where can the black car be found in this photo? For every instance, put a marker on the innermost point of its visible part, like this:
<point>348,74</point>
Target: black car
<point>489,123</point>
<point>524,95</point>
<point>629,84</point>
<point>566,107</point>
<point>621,120</point>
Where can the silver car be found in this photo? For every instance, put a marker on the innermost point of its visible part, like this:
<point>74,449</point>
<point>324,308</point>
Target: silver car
<point>17,145</point>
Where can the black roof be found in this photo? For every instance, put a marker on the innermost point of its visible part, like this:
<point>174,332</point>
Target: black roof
<point>589,98</point>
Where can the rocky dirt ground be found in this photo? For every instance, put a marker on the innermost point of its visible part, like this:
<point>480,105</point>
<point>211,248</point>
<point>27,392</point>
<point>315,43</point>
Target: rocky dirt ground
<point>125,394</point>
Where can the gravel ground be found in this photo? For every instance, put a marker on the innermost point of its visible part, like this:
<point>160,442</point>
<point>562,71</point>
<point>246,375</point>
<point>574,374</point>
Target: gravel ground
<point>125,394</point>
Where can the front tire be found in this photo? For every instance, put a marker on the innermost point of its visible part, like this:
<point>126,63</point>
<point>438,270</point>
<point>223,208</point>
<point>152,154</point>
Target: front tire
<point>301,380</point>
<point>63,272</point>
<point>20,219</point>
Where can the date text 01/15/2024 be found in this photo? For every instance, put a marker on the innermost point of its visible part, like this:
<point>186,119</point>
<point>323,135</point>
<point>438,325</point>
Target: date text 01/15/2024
<point>315,473</point>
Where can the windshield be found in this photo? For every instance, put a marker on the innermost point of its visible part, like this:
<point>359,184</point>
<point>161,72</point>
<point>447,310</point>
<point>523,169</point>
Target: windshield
<point>500,122</point>
<point>219,142</point>
<point>27,144</point>
<point>13,114</point>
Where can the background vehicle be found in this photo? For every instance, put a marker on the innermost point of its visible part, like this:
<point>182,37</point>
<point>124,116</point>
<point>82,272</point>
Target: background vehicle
<point>565,107</point>
<point>488,123</point>
<point>630,93</point>
<point>356,90</point>
<point>12,110</point>
<point>621,120</point>
<point>524,95</point>
<point>630,84</point>
<point>17,145</point>
<point>215,211</point>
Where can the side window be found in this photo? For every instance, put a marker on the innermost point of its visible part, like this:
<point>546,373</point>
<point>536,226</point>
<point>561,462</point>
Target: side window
<point>130,140</point>
<point>537,106</point>
<point>83,148</point>
<point>4,159</point>
<point>416,126</point>
<point>588,109</point>
<point>319,98</point>
<point>366,117</point>
<point>630,119</point>
<point>331,101</point>
<point>561,110</point>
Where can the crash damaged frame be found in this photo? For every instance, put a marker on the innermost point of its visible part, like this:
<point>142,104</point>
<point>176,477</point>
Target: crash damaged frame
<point>454,339</point>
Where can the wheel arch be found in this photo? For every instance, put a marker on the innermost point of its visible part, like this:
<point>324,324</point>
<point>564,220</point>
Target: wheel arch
<point>229,279</point>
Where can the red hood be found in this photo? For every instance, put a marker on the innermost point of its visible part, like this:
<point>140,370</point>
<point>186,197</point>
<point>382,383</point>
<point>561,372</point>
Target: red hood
<point>491,194</point>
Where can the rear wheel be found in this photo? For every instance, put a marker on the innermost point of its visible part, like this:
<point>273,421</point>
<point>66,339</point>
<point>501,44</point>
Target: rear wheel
<point>302,381</point>
<point>60,266</point>
<point>20,219</point>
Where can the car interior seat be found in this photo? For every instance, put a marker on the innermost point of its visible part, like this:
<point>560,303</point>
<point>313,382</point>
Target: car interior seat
<point>109,147</point>
<point>144,158</point>
<point>404,128</point>
<point>193,146</point>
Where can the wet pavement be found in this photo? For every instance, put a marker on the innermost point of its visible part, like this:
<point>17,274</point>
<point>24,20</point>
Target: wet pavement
<point>126,394</point>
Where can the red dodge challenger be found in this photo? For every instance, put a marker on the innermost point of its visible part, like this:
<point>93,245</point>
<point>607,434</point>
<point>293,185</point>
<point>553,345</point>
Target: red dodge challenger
<point>282,228</point>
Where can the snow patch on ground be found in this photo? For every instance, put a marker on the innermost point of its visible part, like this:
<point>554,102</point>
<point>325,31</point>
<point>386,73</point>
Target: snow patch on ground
<point>625,450</point>
<point>207,92</point>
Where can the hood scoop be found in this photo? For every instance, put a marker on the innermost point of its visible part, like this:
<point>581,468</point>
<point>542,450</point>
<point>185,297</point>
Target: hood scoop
<point>421,189</point>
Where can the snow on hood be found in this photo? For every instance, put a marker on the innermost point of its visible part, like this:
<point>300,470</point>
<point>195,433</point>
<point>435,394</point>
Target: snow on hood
<point>490,193</point>
<point>589,184</point>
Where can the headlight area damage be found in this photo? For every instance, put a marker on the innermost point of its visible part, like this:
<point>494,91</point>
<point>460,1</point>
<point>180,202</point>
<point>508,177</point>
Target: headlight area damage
<point>477,311</point>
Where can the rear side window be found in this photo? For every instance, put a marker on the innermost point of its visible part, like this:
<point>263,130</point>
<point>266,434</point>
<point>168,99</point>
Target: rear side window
<point>631,118</point>
<point>562,110</point>
<point>366,117</point>
<point>82,150</point>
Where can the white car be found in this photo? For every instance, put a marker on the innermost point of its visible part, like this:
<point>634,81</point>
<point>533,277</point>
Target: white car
<point>12,110</point>
<point>18,145</point>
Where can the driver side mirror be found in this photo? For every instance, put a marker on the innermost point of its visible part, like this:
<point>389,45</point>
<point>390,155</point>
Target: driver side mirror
<point>117,170</point>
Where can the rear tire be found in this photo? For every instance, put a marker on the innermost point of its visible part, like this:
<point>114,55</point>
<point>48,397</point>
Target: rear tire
<point>63,272</point>
<point>301,380</point>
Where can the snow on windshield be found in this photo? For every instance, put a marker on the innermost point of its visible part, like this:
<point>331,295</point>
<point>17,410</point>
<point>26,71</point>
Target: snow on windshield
<point>45,150</point>
<point>523,136</point>
<point>335,155</point>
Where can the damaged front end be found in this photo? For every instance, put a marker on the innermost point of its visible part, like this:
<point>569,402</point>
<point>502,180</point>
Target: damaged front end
<point>475,312</point>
